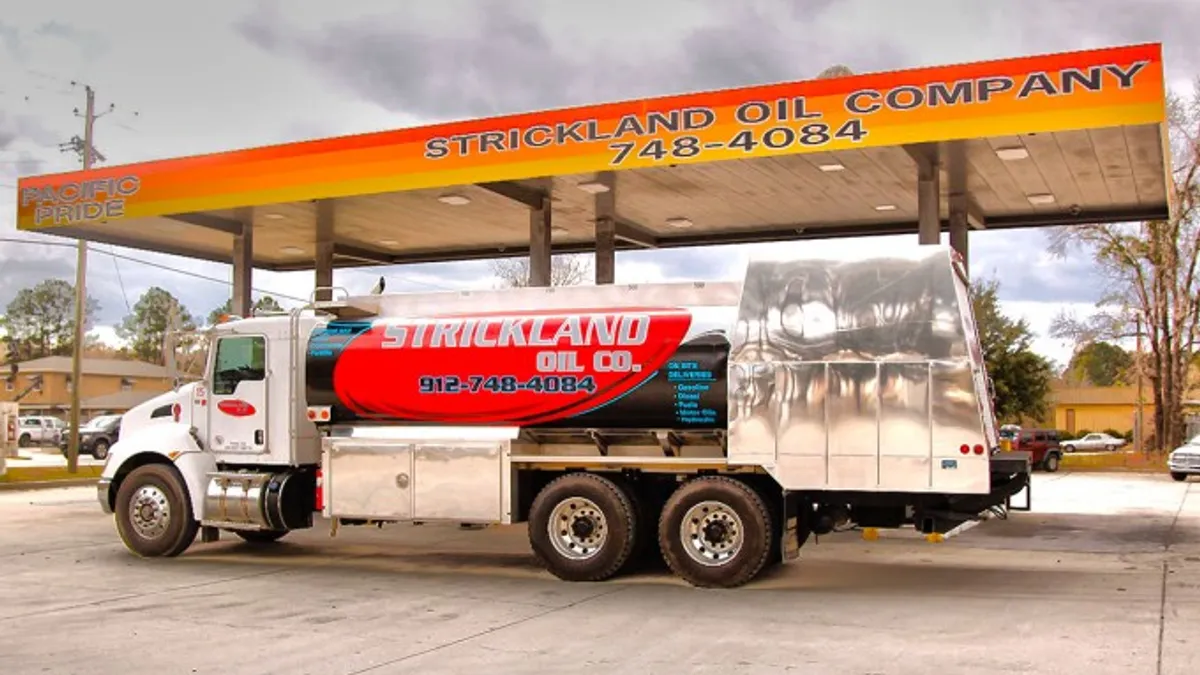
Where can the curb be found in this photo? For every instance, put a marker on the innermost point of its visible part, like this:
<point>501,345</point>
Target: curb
<point>1114,461</point>
<point>46,484</point>
<point>42,474</point>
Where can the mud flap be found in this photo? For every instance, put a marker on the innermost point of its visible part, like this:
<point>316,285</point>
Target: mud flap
<point>789,535</point>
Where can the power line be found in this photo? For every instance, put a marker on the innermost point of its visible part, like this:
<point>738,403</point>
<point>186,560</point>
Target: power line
<point>148,263</point>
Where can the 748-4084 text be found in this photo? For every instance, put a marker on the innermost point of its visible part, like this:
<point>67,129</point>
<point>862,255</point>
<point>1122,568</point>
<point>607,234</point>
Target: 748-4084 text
<point>812,135</point>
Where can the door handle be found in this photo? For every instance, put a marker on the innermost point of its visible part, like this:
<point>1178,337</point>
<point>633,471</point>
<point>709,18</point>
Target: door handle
<point>258,436</point>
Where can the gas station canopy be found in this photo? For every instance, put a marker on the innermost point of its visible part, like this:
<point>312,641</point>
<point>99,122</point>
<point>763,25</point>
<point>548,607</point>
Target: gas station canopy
<point>1037,141</point>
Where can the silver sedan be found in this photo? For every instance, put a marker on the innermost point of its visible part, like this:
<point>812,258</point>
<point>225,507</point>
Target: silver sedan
<point>1095,441</point>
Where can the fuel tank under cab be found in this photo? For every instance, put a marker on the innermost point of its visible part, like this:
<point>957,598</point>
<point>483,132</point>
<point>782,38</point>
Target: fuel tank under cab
<point>630,368</point>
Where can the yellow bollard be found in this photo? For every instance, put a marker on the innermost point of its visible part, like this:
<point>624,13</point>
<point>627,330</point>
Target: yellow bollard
<point>870,533</point>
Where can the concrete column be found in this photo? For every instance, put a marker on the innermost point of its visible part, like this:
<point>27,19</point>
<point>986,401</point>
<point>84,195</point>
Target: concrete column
<point>243,265</point>
<point>606,251</point>
<point>323,277</point>
<point>606,230</point>
<point>540,248</point>
<point>929,222</point>
<point>959,228</point>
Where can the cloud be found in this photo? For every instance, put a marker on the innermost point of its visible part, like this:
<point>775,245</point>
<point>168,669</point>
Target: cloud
<point>91,44</point>
<point>504,57</point>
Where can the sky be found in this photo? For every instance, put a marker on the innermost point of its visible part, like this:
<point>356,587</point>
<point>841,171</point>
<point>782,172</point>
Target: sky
<point>225,74</point>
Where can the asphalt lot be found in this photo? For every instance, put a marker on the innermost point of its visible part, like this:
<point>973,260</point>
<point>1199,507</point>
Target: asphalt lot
<point>1101,578</point>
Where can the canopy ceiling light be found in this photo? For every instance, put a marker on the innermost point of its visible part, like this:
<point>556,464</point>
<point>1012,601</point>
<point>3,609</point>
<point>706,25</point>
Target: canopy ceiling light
<point>1012,154</point>
<point>593,187</point>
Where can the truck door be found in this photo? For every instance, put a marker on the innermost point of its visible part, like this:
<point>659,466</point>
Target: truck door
<point>237,409</point>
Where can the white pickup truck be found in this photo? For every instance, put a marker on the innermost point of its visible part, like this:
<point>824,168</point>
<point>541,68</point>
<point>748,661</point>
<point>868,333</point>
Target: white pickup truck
<point>38,431</point>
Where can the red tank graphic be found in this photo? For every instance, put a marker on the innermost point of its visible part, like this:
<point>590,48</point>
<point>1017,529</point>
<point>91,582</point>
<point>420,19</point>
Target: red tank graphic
<point>624,368</point>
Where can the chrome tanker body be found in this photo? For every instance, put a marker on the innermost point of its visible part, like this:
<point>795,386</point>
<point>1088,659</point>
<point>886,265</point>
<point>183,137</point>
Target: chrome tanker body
<point>713,426</point>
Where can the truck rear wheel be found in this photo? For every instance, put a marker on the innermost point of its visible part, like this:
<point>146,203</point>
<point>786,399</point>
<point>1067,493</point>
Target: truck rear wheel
<point>715,532</point>
<point>582,527</point>
<point>153,512</point>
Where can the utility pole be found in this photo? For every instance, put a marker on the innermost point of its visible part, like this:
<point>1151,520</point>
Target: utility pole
<point>87,150</point>
<point>1139,422</point>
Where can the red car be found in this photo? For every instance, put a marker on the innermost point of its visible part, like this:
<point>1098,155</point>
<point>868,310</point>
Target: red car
<point>1042,444</point>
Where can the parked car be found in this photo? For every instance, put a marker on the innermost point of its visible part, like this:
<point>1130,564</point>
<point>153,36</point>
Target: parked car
<point>1042,445</point>
<point>1096,441</point>
<point>37,430</point>
<point>1184,461</point>
<point>95,437</point>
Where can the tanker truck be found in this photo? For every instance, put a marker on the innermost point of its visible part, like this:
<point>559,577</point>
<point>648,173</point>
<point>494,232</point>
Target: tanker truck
<point>716,426</point>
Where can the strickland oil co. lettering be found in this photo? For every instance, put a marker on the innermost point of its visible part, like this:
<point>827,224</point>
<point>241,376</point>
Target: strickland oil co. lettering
<point>627,369</point>
<point>574,330</point>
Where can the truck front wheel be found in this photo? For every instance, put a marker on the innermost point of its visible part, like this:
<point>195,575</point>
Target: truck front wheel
<point>582,527</point>
<point>715,532</point>
<point>153,512</point>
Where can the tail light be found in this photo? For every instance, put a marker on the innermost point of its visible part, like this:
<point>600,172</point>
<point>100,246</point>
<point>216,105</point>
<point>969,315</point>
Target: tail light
<point>320,497</point>
<point>965,449</point>
<point>978,449</point>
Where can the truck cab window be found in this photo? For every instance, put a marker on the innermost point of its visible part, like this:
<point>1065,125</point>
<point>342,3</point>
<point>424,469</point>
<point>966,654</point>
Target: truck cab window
<point>239,359</point>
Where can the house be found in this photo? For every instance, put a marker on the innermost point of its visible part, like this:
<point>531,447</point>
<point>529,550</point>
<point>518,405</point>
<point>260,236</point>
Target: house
<point>1081,408</point>
<point>109,385</point>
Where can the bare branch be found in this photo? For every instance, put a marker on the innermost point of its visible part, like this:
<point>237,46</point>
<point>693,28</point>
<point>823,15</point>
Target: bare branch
<point>565,270</point>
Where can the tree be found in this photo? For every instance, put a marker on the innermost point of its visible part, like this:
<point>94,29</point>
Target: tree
<point>1151,268</point>
<point>146,328</point>
<point>40,321</point>
<point>565,270</point>
<point>1100,364</point>
<point>264,304</point>
<point>1021,377</point>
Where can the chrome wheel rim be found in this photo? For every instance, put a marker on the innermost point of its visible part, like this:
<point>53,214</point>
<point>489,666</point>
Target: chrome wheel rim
<point>150,512</point>
<point>712,533</point>
<point>577,528</point>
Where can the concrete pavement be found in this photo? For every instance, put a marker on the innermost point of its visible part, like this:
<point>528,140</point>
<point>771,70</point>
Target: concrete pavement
<point>1099,579</point>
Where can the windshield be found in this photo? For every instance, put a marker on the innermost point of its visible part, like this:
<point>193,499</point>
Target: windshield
<point>101,422</point>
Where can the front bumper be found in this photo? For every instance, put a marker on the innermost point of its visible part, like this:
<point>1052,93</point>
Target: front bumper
<point>102,486</point>
<point>85,444</point>
<point>1184,464</point>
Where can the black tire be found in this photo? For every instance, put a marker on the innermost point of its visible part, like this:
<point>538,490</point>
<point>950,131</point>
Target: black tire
<point>596,511</point>
<point>100,449</point>
<point>1110,448</point>
<point>1069,448</point>
<point>260,536</point>
<point>733,501</point>
<point>1050,463</point>
<point>24,440</point>
<point>159,485</point>
<point>1178,477</point>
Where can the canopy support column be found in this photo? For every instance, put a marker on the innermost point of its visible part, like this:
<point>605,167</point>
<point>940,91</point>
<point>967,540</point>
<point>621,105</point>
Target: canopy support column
<point>606,228</point>
<point>323,272</point>
<point>965,214</point>
<point>959,229</point>
<point>540,248</point>
<point>243,265</point>
<point>929,220</point>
